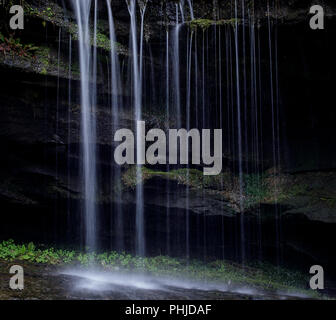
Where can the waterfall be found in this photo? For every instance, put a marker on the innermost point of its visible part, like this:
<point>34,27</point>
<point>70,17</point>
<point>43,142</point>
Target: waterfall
<point>204,63</point>
<point>231,94</point>
<point>181,6</point>
<point>220,79</point>
<point>143,6</point>
<point>277,106</point>
<point>94,61</point>
<point>58,94</point>
<point>227,71</point>
<point>225,93</point>
<point>196,81</point>
<point>246,136</point>
<point>260,97</point>
<point>152,76</point>
<point>116,105</point>
<point>88,125</point>
<point>239,133</point>
<point>273,122</point>
<point>137,85</point>
<point>168,121</point>
<point>216,76</point>
<point>221,123</point>
<point>203,80</point>
<point>141,244</point>
<point>69,136</point>
<point>191,10</point>
<point>188,103</point>
<point>207,100</point>
<point>176,68</point>
<point>255,116</point>
<point>167,77</point>
<point>271,84</point>
<point>189,64</point>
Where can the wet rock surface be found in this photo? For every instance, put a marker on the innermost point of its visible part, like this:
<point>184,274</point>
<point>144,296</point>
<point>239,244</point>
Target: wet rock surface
<point>42,282</point>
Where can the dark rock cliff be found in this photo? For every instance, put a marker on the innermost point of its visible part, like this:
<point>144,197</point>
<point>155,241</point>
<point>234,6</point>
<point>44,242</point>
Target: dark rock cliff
<point>40,120</point>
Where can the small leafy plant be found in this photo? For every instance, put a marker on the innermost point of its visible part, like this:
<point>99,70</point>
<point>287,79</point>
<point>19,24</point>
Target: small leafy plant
<point>11,45</point>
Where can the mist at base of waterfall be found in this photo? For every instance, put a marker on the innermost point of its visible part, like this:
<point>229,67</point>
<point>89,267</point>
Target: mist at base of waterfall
<point>124,285</point>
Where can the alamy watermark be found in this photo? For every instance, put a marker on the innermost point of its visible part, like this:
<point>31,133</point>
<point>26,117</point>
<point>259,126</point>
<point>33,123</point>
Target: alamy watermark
<point>316,281</point>
<point>16,22</point>
<point>132,148</point>
<point>317,20</point>
<point>16,282</point>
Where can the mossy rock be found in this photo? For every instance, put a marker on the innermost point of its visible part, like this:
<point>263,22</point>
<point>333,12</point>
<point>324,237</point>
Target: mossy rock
<point>207,23</point>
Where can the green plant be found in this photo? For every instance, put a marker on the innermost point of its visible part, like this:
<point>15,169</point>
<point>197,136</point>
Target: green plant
<point>14,46</point>
<point>255,188</point>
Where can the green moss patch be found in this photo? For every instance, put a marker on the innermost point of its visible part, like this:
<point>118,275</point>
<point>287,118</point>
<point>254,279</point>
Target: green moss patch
<point>207,23</point>
<point>52,13</point>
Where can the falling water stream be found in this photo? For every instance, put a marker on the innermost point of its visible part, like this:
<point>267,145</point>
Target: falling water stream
<point>240,152</point>
<point>176,68</point>
<point>116,107</point>
<point>137,96</point>
<point>168,118</point>
<point>191,10</point>
<point>88,125</point>
<point>69,135</point>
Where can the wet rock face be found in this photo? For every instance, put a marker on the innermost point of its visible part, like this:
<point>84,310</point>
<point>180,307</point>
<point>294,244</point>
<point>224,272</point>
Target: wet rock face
<point>44,282</point>
<point>32,114</point>
<point>39,128</point>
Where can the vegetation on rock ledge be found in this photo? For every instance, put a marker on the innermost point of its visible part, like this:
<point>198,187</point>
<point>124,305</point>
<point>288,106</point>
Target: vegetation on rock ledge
<point>269,187</point>
<point>207,23</point>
